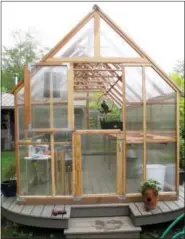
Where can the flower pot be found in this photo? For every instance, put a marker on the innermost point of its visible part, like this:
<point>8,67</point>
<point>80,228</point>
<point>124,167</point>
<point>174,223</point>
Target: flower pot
<point>150,199</point>
<point>8,188</point>
<point>181,176</point>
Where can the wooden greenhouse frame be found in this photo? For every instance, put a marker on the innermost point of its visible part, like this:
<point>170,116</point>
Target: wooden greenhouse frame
<point>79,69</point>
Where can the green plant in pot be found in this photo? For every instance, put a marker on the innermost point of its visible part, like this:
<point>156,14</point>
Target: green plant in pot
<point>8,187</point>
<point>150,191</point>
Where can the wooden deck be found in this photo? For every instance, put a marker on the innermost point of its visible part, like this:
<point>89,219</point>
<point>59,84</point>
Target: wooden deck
<point>40,215</point>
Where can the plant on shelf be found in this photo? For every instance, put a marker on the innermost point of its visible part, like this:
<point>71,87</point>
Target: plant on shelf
<point>150,191</point>
<point>8,187</point>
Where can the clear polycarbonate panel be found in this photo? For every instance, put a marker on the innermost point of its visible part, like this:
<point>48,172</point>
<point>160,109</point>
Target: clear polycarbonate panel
<point>63,169</point>
<point>156,86</point>
<point>60,116</point>
<point>46,80</point>
<point>161,105</point>
<point>81,44</point>
<point>40,116</point>
<point>161,164</point>
<point>20,112</point>
<point>98,163</point>
<point>134,168</point>
<point>35,168</point>
<point>79,118</point>
<point>48,86</point>
<point>112,44</point>
<point>134,97</point>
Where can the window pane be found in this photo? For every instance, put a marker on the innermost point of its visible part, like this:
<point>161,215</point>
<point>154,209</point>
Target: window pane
<point>112,45</point>
<point>81,44</point>
<point>35,167</point>
<point>161,164</point>
<point>134,170</point>
<point>98,164</point>
<point>63,169</point>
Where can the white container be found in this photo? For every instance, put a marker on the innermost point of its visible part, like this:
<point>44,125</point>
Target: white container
<point>156,172</point>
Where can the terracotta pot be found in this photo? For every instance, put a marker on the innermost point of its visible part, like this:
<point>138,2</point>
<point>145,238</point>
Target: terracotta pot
<point>150,199</point>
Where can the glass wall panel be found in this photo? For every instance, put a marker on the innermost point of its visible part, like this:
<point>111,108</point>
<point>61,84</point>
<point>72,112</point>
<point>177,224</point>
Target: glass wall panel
<point>98,164</point>
<point>60,116</point>
<point>49,83</point>
<point>112,45</point>
<point>134,169</point>
<point>35,168</point>
<point>161,106</point>
<point>81,44</point>
<point>134,105</point>
<point>161,164</point>
<point>20,114</point>
<point>63,169</point>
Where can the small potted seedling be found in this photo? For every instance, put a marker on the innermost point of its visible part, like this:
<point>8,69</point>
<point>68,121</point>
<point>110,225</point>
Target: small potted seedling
<point>150,191</point>
<point>8,187</point>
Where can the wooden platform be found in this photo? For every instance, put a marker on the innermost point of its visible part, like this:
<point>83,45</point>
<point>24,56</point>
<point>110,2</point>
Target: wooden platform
<point>40,215</point>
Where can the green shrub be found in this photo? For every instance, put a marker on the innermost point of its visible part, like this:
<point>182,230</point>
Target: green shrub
<point>10,171</point>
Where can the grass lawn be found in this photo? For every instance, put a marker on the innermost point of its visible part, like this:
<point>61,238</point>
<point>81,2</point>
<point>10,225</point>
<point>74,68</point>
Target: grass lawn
<point>7,158</point>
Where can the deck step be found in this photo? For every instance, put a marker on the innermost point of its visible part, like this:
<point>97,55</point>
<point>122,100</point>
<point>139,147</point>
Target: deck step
<point>99,210</point>
<point>102,228</point>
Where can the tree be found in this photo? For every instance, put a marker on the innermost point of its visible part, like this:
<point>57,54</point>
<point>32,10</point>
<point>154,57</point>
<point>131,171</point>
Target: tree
<point>25,50</point>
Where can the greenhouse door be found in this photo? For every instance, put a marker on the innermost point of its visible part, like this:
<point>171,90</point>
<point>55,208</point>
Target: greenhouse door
<point>98,163</point>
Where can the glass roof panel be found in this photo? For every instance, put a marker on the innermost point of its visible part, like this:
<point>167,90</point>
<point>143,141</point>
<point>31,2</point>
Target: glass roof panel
<point>156,86</point>
<point>112,45</point>
<point>81,44</point>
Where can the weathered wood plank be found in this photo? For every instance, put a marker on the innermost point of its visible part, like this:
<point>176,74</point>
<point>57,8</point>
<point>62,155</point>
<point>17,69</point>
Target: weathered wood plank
<point>157,210</point>
<point>134,209</point>
<point>47,211</point>
<point>7,201</point>
<point>18,208</point>
<point>171,205</point>
<point>37,210</point>
<point>27,209</point>
<point>164,208</point>
<point>68,212</point>
<point>179,203</point>
<point>140,206</point>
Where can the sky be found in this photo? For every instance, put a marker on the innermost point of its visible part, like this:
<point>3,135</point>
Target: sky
<point>157,27</point>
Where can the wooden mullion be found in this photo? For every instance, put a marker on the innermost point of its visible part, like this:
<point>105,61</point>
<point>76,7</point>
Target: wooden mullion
<point>18,191</point>
<point>70,82</point>
<point>178,142</point>
<point>77,163</point>
<point>96,34</point>
<point>53,185</point>
<point>120,166</point>
<point>144,124</point>
<point>27,105</point>
<point>124,130</point>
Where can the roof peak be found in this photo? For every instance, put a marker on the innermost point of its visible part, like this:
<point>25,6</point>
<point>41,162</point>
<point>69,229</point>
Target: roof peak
<point>96,7</point>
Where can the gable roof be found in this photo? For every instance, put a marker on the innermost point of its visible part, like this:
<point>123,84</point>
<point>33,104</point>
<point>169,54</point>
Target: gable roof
<point>96,10</point>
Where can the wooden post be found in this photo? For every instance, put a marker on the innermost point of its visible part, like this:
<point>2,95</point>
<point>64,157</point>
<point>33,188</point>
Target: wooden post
<point>27,105</point>
<point>120,180</point>
<point>178,142</point>
<point>124,130</point>
<point>70,83</point>
<point>16,138</point>
<point>96,34</point>
<point>78,180</point>
<point>87,111</point>
<point>144,122</point>
<point>53,185</point>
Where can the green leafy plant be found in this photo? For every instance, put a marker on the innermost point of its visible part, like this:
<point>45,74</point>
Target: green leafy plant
<point>150,184</point>
<point>10,171</point>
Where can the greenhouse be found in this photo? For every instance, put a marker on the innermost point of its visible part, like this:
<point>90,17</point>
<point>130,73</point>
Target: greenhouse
<point>95,118</point>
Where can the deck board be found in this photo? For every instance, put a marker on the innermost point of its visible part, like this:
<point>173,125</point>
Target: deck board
<point>37,210</point>
<point>134,209</point>
<point>47,211</point>
<point>141,208</point>
<point>164,208</point>
<point>27,209</point>
<point>171,205</point>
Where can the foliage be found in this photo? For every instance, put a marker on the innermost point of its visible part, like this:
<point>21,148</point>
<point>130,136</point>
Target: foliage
<point>150,184</point>
<point>7,158</point>
<point>179,68</point>
<point>25,50</point>
<point>10,171</point>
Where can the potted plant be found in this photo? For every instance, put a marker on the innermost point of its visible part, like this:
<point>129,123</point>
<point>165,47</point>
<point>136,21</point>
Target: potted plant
<point>8,187</point>
<point>150,190</point>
